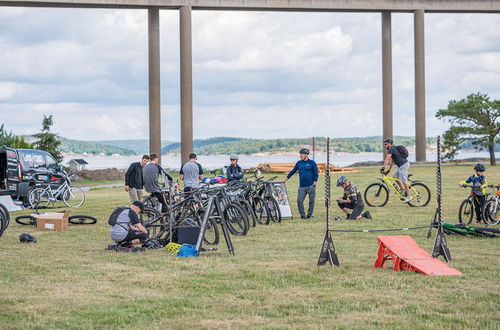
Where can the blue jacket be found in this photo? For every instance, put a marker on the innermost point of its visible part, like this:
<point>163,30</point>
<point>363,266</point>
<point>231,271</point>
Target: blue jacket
<point>308,172</point>
<point>234,173</point>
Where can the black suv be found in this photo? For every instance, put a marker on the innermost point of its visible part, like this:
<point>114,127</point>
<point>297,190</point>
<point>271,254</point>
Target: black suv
<point>22,169</point>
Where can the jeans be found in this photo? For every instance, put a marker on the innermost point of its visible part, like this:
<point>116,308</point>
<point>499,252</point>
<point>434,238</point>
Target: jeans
<point>303,191</point>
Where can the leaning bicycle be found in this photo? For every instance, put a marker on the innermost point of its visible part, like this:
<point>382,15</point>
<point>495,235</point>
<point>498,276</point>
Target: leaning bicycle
<point>377,194</point>
<point>491,209</point>
<point>70,195</point>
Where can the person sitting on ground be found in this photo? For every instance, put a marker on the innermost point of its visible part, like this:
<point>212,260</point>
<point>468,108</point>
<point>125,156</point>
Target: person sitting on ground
<point>478,185</point>
<point>150,174</point>
<point>128,230</point>
<point>394,156</point>
<point>192,173</point>
<point>234,171</point>
<point>351,200</point>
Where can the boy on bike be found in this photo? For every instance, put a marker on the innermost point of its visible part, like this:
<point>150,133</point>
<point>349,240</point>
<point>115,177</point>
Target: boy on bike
<point>351,200</point>
<point>478,184</point>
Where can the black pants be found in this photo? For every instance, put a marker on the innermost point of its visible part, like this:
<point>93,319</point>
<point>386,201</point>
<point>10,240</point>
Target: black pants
<point>134,234</point>
<point>161,199</point>
<point>356,210</point>
<point>479,202</point>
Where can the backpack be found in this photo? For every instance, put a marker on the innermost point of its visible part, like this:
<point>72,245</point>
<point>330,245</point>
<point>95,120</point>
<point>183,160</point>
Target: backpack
<point>114,216</point>
<point>403,151</point>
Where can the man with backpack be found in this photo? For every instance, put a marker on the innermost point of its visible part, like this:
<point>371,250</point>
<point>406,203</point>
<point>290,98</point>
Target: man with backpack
<point>126,228</point>
<point>398,155</point>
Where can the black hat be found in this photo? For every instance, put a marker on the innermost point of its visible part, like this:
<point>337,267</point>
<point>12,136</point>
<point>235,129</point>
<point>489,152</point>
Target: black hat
<point>304,151</point>
<point>391,141</point>
<point>140,205</point>
<point>192,155</point>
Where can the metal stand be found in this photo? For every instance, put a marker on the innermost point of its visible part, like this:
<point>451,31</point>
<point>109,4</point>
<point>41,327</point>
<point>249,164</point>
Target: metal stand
<point>440,247</point>
<point>327,253</point>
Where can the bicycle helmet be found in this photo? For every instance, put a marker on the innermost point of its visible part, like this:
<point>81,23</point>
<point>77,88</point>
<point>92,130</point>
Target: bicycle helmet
<point>479,167</point>
<point>304,151</point>
<point>234,157</point>
<point>341,180</point>
<point>391,141</point>
<point>27,238</point>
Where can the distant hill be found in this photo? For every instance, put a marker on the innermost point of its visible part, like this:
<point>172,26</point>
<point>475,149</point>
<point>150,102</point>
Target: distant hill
<point>228,145</point>
<point>80,147</point>
<point>137,146</point>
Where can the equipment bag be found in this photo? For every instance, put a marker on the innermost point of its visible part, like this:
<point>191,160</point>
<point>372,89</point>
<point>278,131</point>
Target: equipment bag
<point>115,214</point>
<point>403,151</point>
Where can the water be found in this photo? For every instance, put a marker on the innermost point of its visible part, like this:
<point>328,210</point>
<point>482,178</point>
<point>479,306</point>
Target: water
<point>218,161</point>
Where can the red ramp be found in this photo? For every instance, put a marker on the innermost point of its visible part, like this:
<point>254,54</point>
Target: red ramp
<point>406,254</point>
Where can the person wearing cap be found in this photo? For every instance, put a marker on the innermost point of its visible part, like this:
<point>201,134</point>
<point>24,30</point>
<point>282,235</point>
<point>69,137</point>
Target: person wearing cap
<point>234,171</point>
<point>308,178</point>
<point>352,202</point>
<point>128,229</point>
<point>394,156</point>
<point>191,173</point>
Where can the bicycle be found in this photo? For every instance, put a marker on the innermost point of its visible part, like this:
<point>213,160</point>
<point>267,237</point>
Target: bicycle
<point>467,209</point>
<point>70,195</point>
<point>377,194</point>
<point>491,210</point>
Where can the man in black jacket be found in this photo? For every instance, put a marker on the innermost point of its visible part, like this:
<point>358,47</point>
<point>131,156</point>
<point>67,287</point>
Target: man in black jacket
<point>133,179</point>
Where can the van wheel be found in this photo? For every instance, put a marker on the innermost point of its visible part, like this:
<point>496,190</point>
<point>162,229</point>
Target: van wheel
<point>26,199</point>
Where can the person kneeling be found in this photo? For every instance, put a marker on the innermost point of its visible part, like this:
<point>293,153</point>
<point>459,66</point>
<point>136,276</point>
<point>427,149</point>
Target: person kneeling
<point>351,200</point>
<point>126,228</point>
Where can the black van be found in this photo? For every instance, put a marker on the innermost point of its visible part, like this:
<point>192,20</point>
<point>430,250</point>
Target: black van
<point>22,169</point>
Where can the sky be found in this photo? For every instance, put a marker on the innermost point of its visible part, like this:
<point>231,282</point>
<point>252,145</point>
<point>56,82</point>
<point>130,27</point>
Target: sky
<point>255,74</point>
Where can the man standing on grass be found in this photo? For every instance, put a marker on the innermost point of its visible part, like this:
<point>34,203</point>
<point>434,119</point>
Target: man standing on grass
<point>150,173</point>
<point>308,177</point>
<point>191,172</point>
<point>398,155</point>
<point>133,179</point>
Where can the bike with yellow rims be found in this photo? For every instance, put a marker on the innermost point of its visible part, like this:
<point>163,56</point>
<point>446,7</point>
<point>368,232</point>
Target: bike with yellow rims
<point>377,193</point>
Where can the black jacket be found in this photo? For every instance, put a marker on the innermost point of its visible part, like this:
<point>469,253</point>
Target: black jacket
<point>133,176</point>
<point>234,173</point>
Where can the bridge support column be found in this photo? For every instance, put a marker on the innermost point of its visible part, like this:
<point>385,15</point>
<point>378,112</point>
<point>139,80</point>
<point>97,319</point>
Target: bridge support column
<point>154,81</point>
<point>387,77</point>
<point>186,83</point>
<point>420,143</point>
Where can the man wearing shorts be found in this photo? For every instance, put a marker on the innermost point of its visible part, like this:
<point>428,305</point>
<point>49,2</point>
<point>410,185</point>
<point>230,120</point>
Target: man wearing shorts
<point>351,203</point>
<point>128,229</point>
<point>395,157</point>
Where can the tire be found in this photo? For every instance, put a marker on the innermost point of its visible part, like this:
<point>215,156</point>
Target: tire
<point>466,212</point>
<point>211,236</point>
<point>236,219</point>
<point>74,197</point>
<point>7,215</point>
<point>3,221</point>
<point>260,209</point>
<point>26,220</point>
<point>155,223</point>
<point>376,195</point>
<point>82,220</point>
<point>491,212</point>
<point>38,197</point>
<point>274,209</point>
<point>247,207</point>
<point>423,196</point>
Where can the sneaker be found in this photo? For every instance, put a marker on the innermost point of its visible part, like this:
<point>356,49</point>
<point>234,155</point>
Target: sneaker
<point>337,218</point>
<point>407,199</point>
<point>303,217</point>
<point>367,215</point>
<point>347,217</point>
<point>310,216</point>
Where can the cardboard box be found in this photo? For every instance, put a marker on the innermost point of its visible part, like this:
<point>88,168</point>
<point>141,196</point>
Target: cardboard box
<point>52,221</point>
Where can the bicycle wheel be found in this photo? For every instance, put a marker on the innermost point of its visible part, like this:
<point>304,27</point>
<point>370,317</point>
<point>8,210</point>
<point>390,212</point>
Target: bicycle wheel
<point>82,220</point>
<point>236,219</point>
<point>466,212</point>
<point>421,195</point>
<point>247,207</point>
<point>7,215</point>
<point>26,220</point>
<point>153,221</point>
<point>211,235</point>
<point>491,212</point>
<point>376,195</point>
<point>3,221</point>
<point>274,209</point>
<point>73,197</point>
<point>260,209</point>
<point>39,197</point>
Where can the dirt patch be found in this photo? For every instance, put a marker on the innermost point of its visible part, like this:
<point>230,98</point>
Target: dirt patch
<point>95,175</point>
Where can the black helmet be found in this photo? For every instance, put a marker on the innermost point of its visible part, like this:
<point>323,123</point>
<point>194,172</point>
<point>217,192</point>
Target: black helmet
<point>391,141</point>
<point>304,151</point>
<point>479,167</point>
<point>341,180</point>
<point>27,238</point>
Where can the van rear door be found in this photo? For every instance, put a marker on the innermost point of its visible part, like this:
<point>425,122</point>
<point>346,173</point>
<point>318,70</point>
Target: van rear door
<point>13,170</point>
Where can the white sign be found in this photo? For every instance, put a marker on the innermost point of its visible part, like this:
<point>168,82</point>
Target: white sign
<point>281,195</point>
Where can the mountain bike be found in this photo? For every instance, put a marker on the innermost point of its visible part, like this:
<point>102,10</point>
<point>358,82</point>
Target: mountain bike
<point>377,194</point>
<point>467,208</point>
<point>491,210</point>
<point>70,195</point>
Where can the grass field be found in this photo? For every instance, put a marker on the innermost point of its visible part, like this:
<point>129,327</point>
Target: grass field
<point>68,280</point>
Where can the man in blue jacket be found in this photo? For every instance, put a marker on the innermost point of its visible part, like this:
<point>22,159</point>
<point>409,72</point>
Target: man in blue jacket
<point>308,177</point>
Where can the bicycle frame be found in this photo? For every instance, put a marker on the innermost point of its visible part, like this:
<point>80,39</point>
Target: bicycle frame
<point>54,194</point>
<point>392,182</point>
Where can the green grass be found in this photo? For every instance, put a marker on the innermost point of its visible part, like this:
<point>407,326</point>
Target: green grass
<point>68,280</point>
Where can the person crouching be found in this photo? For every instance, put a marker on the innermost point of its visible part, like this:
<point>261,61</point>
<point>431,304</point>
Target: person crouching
<point>127,229</point>
<point>351,200</point>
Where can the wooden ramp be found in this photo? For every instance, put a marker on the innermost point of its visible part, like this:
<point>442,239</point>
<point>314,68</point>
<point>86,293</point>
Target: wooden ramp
<point>287,167</point>
<point>406,254</point>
